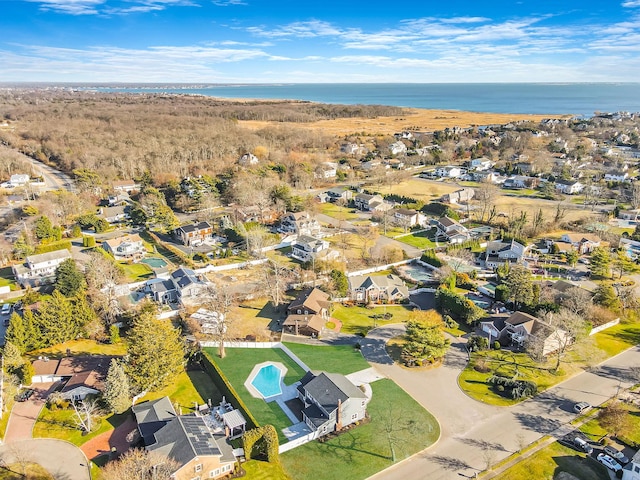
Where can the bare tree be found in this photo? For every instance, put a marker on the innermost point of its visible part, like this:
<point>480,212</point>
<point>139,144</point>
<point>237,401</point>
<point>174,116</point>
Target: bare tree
<point>485,196</point>
<point>577,300</point>
<point>86,412</point>
<point>139,464</point>
<point>220,299</point>
<point>558,332</point>
<point>103,275</point>
<point>276,280</point>
<point>367,236</point>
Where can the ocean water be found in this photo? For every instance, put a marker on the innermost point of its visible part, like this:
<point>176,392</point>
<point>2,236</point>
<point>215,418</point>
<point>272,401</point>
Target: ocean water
<point>541,98</point>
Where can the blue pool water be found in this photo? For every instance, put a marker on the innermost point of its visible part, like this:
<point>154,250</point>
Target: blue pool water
<point>154,262</point>
<point>267,381</point>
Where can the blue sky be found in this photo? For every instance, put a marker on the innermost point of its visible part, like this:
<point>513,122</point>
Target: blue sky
<point>311,41</point>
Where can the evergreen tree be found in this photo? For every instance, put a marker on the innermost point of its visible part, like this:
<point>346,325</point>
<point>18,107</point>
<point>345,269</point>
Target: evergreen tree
<point>69,279</point>
<point>600,262</point>
<point>12,357</point>
<point>22,247</point>
<point>15,334</point>
<point>340,282</point>
<point>520,285</point>
<point>55,320</point>
<point>117,392</point>
<point>82,313</point>
<point>33,336</point>
<point>43,228</point>
<point>156,353</point>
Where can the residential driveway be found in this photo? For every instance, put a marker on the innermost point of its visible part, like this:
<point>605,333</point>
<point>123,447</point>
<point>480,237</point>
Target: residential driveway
<point>373,345</point>
<point>24,414</point>
<point>62,459</point>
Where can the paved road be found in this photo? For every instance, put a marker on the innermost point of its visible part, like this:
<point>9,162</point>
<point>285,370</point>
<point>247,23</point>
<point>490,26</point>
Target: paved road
<point>62,459</point>
<point>475,434</point>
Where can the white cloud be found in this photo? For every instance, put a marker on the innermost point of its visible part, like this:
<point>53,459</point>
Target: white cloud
<point>631,3</point>
<point>228,3</point>
<point>72,7</point>
<point>95,7</point>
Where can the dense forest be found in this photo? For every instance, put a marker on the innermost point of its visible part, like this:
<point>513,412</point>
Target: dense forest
<point>123,135</point>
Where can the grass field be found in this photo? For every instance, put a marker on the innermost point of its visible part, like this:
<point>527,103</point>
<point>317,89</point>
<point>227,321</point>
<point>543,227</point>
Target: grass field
<point>338,212</point>
<point>237,366</point>
<point>189,387</point>
<point>136,272</point>
<point>82,347</point>
<point>547,463</point>
<point>7,278</point>
<point>358,320</point>
<point>421,240</point>
<point>61,424</point>
<point>365,450</point>
<point>595,431</point>
<point>344,359</point>
<point>253,317</point>
<point>31,471</point>
<point>257,470</point>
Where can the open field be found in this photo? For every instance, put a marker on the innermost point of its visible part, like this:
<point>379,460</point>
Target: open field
<point>253,317</point>
<point>365,450</point>
<point>550,461</point>
<point>422,119</point>
<point>344,359</point>
<point>359,320</point>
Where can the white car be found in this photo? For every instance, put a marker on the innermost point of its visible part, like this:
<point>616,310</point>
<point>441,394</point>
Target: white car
<point>609,462</point>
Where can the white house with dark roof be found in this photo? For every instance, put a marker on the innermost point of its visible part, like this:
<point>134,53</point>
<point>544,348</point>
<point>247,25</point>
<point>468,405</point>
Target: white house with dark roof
<point>183,286</point>
<point>366,201</point>
<point>300,223</point>
<point>375,288</point>
<point>499,252</point>
<point>449,171</point>
<point>331,402</point>
<point>569,187</point>
<point>41,268</point>
<point>452,230</point>
<point>126,247</point>
<point>307,248</point>
<point>194,233</point>
<point>406,217</point>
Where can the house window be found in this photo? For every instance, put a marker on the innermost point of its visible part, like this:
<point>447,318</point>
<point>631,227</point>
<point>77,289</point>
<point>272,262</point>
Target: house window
<point>199,467</point>
<point>354,416</point>
<point>214,473</point>
<point>196,478</point>
<point>363,403</point>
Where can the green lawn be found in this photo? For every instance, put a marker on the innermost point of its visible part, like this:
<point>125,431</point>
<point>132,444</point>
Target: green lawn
<point>595,431</point>
<point>257,470</point>
<point>344,359</point>
<point>547,463</point>
<point>189,387</point>
<point>335,211</point>
<point>618,338</point>
<point>474,382</point>
<point>358,320</point>
<point>136,272</point>
<point>422,240</point>
<point>237,365</point>
<point>7,278</point>
<point>32,471</point>
<point>61,424</point>
<point>365,450</point>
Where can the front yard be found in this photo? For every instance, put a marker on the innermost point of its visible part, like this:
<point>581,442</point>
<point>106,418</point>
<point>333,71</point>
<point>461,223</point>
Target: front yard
<point>359,320</point>
<point>422,240</point>
<point>366,449</point>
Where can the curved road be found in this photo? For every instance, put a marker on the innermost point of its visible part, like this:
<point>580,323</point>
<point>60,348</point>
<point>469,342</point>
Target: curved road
<point>62,459</point>
<point>475,434</point>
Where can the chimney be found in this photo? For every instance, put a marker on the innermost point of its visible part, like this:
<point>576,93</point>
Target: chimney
<point>339,416</point>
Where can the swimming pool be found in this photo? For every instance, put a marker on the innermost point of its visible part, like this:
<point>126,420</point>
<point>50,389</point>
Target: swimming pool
<point>267,381</point>
<point>154,262</point>
<point>417,273</point>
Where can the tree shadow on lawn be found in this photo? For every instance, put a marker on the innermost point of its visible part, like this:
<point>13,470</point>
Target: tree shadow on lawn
<point>204,385</point>
<point>345,445</point>
<point>581,467</point>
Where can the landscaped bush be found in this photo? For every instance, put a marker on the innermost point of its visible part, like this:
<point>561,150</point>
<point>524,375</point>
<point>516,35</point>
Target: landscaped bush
<point>458,306</point>
<point>477,343</point>
<point>429,256</point>
<point>496,345</point>
<point>52,247</point>
<point>450,322</point>
<point>516,389</point>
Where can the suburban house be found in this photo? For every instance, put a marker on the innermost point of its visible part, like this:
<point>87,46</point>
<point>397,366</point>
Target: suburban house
<point>125,186</point>
<point>377,288</point>
<point>115,214</point>
<point>194,234</point>
<point>480,164</point>
<point>631,471</point>
<point>616,176</point>
<point>629,215</point>
<point>307,248</point>
<point>367,202</point>
<point>569,187</point>
<point>79,376</point>
<point>337,194</point>
<point>40,268</point>
<point>326,170</point>
<point>407,218</point>
<point>248,160</point>
<point>18,179</point>
<point>126,247</point>
<point>582,242</point>
<point>121,198</point>
<point>463,195</point>
<point>300,223</point>
<point>518,182</point>
<point>453,231</point>
<point>353,149</point>
<point>308,313</point>
<point>255,213</point>
<point>186,439</point>
<point>331,402</point>
<point>498,253</point>
<point>397,148</point>
<point>182,286</point>
<point>631,247</point>
<point>520,328</point>
<point>449,171</point>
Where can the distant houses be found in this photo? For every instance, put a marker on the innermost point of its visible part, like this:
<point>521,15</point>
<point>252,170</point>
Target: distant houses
<point>194,234</point>
<point>451,229</point>
<point>500,252</point>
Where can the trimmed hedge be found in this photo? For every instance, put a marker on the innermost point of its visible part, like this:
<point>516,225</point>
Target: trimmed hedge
<point>176,251</point>
<point>52,247</point>
<point>225,387</point>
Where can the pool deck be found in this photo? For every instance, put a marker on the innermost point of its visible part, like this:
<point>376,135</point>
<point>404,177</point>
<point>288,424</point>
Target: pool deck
<point>254,372</point>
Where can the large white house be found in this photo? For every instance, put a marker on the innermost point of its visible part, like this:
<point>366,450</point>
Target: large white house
<point>41,268</point>
<point>499,252</point>
<point>307,248</point>
<point>126,247</point>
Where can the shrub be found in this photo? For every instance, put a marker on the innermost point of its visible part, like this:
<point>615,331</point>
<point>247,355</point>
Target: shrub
<point>496,345</point>
<point>450,322</point>
<point>477,343</point>
<point>429,256</point>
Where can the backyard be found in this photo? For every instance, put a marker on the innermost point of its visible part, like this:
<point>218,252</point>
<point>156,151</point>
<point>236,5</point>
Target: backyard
<point>344,359</point>
<point>422,240</point>
<point>237,365</point>
<point>396,420</point>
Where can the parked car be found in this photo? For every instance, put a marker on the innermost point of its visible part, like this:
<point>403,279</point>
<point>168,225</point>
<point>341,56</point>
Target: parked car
<point>616,454</point>
<point>25,395</point>
<point>609,462</point>
<point>583,445</point>
<point>581,407</point>
<point>6,309</point>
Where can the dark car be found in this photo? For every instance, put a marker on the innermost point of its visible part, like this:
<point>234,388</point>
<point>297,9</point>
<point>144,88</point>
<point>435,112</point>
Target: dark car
<point>24,395</point>
<point>616,454</point>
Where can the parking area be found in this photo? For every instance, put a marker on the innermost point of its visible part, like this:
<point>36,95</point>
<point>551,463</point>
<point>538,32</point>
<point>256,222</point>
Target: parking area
<point>24,414</point>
